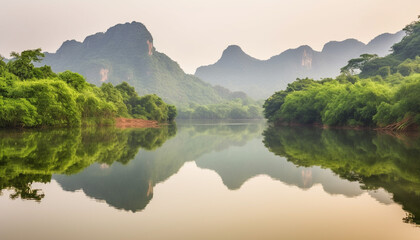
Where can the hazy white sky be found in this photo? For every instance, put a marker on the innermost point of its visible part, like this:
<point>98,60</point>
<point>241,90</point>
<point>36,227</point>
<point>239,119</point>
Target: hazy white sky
<point>195,32</point>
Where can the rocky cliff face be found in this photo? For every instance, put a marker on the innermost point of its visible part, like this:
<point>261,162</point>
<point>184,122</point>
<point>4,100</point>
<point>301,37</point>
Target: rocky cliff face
<point>125,52</point>
<point>261,78</point>
<point>106,57</point>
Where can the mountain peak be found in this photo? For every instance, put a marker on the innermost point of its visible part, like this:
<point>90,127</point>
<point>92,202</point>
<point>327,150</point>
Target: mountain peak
<point>233,49</point>
<point>125,52</point>
<point>259,78</point>
<point>133,31</point>
<point>128,28</point>
<point>235,53</point>
<point>127,38</point>
<point>385,37</point>
<point>337,46</point>
<point>69,46</point>
<point>382,44</point>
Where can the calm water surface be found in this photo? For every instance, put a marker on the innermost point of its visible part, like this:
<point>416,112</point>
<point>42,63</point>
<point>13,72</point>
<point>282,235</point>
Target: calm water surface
<point>209,181</point>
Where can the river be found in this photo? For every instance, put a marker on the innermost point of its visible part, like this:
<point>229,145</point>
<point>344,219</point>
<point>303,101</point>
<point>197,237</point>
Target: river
<point>224,180</point>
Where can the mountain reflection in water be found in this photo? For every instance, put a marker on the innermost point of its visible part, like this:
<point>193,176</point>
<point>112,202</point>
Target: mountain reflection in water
<point>374,160</point>
<point>122,167</point>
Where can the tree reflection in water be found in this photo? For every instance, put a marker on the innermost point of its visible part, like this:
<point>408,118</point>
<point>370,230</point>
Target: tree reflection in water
<point>375,160</point>
<point>34,155</point>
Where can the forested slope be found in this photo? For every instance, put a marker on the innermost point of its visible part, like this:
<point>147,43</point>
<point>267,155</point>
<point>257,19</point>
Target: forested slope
<point>36,96</point>
<point>385,94</point>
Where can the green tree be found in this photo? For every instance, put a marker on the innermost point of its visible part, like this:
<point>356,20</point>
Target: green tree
<point>127,91</point>
<point>17,113</point>
<point>75,80</point>
<point>111,94</point>
<point>385,71</point>
<point>172,113</point>
<point>21,65</point>
<point>2,65</point>
<point>409,47</point>
<point>357,64</point>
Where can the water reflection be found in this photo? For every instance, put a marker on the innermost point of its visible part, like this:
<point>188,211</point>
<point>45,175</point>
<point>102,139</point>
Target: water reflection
<point>33,156</point>
<point>243,163</point>
<point>122,167</point>
<point>130,187</point>
<point>372,159</point>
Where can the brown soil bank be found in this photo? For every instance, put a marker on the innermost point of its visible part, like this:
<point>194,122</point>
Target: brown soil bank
<point>407,125</point>
<point>135,123</point>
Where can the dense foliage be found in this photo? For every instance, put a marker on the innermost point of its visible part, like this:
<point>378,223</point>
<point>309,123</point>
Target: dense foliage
<point>348,101</point>
<point>235,109</point>
<point>35,96</point>
<point>406,50</point>
<point>147,107</point>
<point>385,94</point>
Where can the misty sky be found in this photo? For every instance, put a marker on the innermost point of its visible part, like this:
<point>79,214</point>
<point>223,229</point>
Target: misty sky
<point>195,32</point>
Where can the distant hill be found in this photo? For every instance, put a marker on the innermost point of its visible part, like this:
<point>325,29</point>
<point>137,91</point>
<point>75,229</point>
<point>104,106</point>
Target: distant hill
<point>125,52</point>
<point>238,71</point>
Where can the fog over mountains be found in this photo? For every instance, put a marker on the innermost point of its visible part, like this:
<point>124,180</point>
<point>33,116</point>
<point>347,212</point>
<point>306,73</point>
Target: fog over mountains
<point>238,71</point>
<point>125,52</point>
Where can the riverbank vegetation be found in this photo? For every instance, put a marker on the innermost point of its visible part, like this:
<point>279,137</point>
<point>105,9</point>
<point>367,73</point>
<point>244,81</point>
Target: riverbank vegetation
<point>35,96</point>
<point>234,109</point>
<point>385,93</point>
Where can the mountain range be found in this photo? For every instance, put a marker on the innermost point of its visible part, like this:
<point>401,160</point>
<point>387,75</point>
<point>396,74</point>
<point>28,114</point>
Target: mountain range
<point>238,71</point>
<point>125,52</point>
